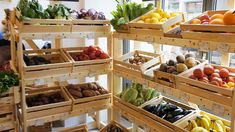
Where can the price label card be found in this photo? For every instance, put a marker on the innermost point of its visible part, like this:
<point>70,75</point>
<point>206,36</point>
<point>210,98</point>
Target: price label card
<point>39,82</point>
<point>203,46</point>
<point>223,48</point>
<point>39,122</point>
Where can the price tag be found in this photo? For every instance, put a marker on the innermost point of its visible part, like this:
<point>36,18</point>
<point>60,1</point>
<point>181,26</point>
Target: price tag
<point>218,109</point>
<point>39,82</point>
<point>223,48</point>
<point>39,122</point>
<point>203,46</point>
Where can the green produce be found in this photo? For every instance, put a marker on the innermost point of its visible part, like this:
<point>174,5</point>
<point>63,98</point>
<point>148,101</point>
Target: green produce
<point>33,9</point>
<point>128,11</point>
<point>7,80</point>
<point>137,94</point>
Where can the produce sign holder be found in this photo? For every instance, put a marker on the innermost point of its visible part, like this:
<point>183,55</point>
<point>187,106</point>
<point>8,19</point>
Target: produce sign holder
<point>41,25</point>
<point>80,25</point>
<point>80,128</point>
<point>212,92</point>
<point>157,29</point>
<point>163,121</point>
<point>60,63</point>
<point>96,102</point>
<point>172,33</point>
<point>183,124</point>
<point>121,63</point>
<point>209,32</point>
<point>170,81</point>
<point>53,108</point>
<point>114,123</point>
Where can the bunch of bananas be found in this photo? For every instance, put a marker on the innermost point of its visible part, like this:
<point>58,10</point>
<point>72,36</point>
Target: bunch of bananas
<point>205,124</point>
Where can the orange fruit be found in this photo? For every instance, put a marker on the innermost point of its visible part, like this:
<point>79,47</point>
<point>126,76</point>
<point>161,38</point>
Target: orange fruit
<point>195,21</point>
<point>229,17</point>
<point>220,16</point>
<point>217,21</point>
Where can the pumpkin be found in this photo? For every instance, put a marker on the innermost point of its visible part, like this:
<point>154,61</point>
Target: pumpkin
<point>229,17</point>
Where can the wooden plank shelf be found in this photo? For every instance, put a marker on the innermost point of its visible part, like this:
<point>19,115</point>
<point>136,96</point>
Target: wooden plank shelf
<point>204,45</point>
<point>202,102</point>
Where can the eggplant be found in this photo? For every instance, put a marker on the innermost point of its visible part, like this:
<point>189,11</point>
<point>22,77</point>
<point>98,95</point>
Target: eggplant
<point>174,119</point>
<point>177,111</point>
<point>158,110</point>
<point>149,108</point>
<point>168,116</point>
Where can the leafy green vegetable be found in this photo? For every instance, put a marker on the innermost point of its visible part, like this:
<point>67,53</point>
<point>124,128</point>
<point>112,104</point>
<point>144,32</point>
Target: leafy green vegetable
<point>127,11</point>
<point>7,80</point>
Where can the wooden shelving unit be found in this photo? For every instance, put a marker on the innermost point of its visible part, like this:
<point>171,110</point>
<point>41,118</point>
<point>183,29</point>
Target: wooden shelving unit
<point>43,76</point>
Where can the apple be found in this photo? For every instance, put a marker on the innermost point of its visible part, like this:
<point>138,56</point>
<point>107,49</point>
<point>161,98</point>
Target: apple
<point>86,50</point>
<point>204,79</point>
<point>205,22</point>
<point>92,48</point>
<point>193,77</point>
<point>92,55</point>
<point>104,56</point>
<point>198,73</point>
<point>98,52</point>
<point>214,83</point>
<point>216,71</point>
<point>214,75</point>
<point>217,79</point>
<point>204,18</point>
<point>208,69</point>
<point>230,79</point>
<point>224,72</point>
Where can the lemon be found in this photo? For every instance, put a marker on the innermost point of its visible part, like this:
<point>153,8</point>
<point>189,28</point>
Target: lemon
<point>156,15</point>
<point>166,15</point>
<point>163,20</point>
<point>231,84</point>
<point>154,20</point>
<point>160,11</point>
<point>147,20</point>
<point>143,17</point>
<point>140,21</point>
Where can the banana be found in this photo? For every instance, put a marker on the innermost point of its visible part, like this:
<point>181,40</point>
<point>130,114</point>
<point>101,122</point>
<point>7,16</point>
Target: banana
<point>212,130</point>
<point>198,120</point>
<point>207,117</point>
<point>222,124</point>
<point>204,123</point>
<point>199,129</point>
<point>191,124</point>
<point>216,126</point>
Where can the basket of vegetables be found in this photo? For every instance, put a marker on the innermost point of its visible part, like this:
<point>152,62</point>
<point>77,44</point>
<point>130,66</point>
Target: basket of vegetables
<point>89,21</point>
<point>126,12</point>
<point>31,17</point>
<point>38,63</point>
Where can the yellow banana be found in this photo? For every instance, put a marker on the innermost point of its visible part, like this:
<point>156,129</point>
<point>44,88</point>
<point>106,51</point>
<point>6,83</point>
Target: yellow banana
<point>216,126</point>
<point>204,123</point>
<point>212,130</point>
<point>199,129</point>
<point>191,124</point>
<point>222,124</point>
<point>198,120</point>
<point>207,117</point>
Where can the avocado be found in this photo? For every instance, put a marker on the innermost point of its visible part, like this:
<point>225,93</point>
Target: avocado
<point>171,63</point>
<point>189,55</point>
<point>180,59</point>
<point>163,67</point>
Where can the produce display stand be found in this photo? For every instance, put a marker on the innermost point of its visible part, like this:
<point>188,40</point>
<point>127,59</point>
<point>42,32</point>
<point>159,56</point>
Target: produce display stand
<point>38,78</point>
<point>8,113</point>
<point>222,106</point>
<point>114,123</point>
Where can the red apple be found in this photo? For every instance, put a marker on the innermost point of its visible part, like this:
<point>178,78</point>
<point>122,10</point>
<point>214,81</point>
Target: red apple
<point>217,79</point>
<point>86,50</point>
<point>193,77</point>
<point>214,83</point>
<point>104,56</point>
<point>91,48</point>
<point>198,73</point>
<point>204,18</point>
<point>92,55</point>
<point>214,75</point>
<point>98,52</point>
<point>216,71</point>
<point>208,69</point>
<point>204,79</point>
<point>230,79</point>
<point>224,72</point>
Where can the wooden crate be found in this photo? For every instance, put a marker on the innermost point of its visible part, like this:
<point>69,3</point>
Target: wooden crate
<point>174,33</point>
<point>208,91</point>
<point>165,122</point>
<point>156,29</point>
<point>80,128</point>
<point>124,28</point>
<point>114,123</point>
<point>53,108</point>
<point>41,25</point>
<point>99,100</point>
<point>72,52</point>
<point>60,63</point>
<point>184,123</point>
<point>47,127</point>
<point>209,32</point>
<point>121,63</point>
<point>80,25</point>
<point>7,122</point>
<point>167,79</point>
